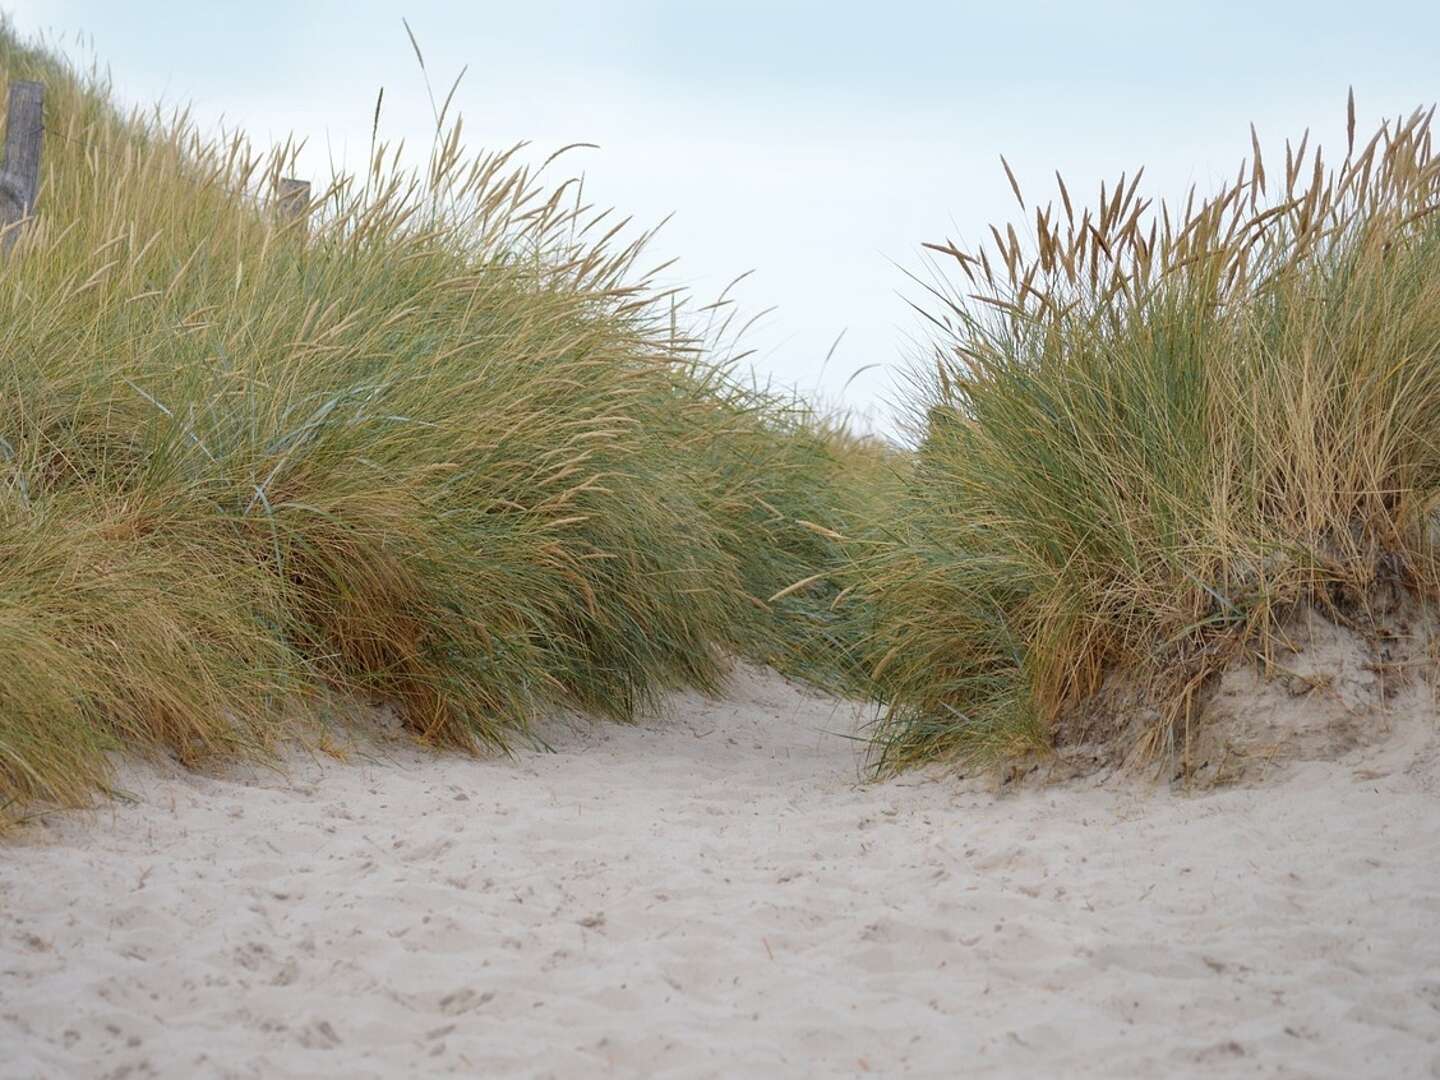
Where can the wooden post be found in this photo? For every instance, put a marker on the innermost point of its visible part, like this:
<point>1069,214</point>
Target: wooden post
<point>20,172</point>
<point>294,198</point>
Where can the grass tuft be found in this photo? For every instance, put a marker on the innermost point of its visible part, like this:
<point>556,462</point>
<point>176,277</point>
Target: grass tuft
<point>1151,432</point>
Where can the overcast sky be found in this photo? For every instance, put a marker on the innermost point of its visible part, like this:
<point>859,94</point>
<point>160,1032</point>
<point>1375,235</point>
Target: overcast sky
<point>817,143</point>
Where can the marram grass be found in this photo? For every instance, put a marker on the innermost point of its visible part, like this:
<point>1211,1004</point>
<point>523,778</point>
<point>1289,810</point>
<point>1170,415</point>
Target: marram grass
<point>1152,431</point>
<point>442,446</point>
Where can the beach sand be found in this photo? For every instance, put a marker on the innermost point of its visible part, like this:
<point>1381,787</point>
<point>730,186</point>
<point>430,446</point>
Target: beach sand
<point>718,892</point>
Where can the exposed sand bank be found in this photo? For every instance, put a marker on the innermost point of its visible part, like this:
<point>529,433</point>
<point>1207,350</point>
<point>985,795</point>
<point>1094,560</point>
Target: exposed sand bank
<point>717,894</point>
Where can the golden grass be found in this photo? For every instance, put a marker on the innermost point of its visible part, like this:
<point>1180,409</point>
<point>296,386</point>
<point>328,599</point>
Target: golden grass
<point>1152,431</point>
<point>441,445</point>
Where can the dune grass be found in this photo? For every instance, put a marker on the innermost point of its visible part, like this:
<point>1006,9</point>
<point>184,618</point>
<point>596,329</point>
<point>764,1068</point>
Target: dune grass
<point>439,445</point>
<point>1151,432</point>
<point>443,445</point>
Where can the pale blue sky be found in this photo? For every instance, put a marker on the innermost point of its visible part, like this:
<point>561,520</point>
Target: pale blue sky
<point>817,143</point>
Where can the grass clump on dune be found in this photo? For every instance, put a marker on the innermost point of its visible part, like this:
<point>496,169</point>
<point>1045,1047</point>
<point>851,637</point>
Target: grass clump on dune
<point>1154,431</point>
<point>441,446</point>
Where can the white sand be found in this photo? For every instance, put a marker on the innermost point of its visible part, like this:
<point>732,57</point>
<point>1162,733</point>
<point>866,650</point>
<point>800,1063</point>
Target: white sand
<point>715,894</point>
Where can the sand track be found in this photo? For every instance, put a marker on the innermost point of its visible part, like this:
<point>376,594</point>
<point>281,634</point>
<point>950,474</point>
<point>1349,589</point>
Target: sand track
<point>716,894</point>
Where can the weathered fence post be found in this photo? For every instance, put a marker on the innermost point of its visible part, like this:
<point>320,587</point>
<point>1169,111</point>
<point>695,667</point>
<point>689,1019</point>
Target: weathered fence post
<point>293,198</point>
<point>20,173</point>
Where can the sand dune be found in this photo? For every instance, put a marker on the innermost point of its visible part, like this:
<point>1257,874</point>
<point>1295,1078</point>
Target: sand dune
<point>716,893</point>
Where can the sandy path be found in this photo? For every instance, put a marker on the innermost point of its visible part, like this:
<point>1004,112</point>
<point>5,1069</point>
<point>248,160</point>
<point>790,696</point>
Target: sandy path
<point>715,894</point>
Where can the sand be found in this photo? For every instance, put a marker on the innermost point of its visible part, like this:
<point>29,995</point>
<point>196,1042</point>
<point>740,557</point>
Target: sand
<point>716,892</point>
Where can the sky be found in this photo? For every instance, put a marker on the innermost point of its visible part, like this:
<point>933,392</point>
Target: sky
<point>817,144</point>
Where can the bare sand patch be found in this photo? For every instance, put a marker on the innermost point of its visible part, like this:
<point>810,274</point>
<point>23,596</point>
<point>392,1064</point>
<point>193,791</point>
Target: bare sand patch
<point>717,892</point>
